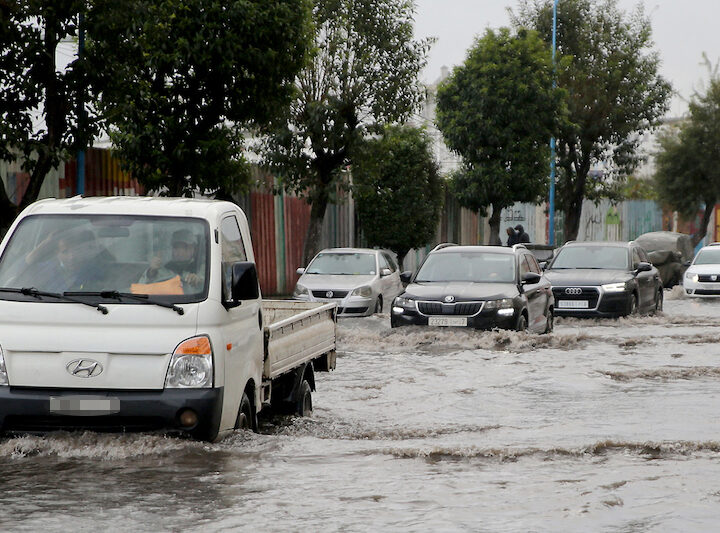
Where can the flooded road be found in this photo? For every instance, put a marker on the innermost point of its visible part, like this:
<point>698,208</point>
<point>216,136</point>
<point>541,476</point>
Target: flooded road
<point>605,425</point>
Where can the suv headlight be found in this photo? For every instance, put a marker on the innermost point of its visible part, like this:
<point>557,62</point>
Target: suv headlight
<point>505,303</point>
<point>614,287</point>
<point>404,302</point>
<point>300,290</point>
<point>3,369</point>
<point>191,365</point>
<point>692,277</point>
<point>364,291</point>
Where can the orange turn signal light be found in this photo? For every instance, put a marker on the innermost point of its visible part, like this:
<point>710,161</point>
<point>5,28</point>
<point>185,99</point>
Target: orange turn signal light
<point>194,346</point>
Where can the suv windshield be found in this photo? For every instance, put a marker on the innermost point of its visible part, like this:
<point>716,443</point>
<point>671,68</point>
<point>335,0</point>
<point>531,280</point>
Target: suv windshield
<point>343,264</point>
<point>78,254</point>
<point>604,257</point>
<point>708,256</point>
<point>478,267</point>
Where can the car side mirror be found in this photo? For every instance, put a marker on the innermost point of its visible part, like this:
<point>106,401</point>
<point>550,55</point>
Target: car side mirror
<point>244,284</point>
<point>543,264</point>
<point>385,272</point>
<point>530,278</point>
<point>406,276</point>
<point>687,263</point>
<point>643,267</point>
<point>300,271</point>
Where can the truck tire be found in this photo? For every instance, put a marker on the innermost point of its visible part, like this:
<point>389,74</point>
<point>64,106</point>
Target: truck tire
<point>245,417</point>
<point>304,400</point>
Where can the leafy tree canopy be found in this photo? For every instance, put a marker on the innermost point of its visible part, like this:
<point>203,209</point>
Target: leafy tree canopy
<point>498,110</point>
<point>688,162</point>
<point>364,72</point>
<point>179,80</point>
<point>615,93</point>
<point>397,189</point>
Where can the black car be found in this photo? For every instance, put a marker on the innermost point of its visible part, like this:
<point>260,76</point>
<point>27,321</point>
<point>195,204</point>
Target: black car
<point>480,287</point>
<point>606,279</point>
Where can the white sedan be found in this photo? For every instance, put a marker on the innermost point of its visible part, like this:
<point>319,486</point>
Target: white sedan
<point>702,278</point>
<point>360,280</point>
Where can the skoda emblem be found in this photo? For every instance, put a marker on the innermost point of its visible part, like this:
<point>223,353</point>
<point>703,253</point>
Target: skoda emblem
<point>329,294</point>
<point>449,299</point>
<point>713,277</point>
<point>84,368</point>
<point>573,290</point>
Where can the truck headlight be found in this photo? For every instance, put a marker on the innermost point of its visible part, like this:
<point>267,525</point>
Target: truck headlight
<point>300,290</point>
<point>3,369</point>
<point>191,365</point>
<point>505,303</point>
<point>614,287</point>
<point>364,291</point>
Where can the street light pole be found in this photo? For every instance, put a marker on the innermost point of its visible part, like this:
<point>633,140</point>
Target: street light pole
<point>551,229</point>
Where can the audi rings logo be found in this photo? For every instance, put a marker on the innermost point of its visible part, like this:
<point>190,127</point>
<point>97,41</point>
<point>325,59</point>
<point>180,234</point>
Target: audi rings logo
<point>573,290</point>
<point>84,368</point>
<point>329,294</point>
<point>449,299</point>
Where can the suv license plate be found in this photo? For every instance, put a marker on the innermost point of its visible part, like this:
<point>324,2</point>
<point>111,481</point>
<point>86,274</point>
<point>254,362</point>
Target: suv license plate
<point>573,304</point>
<point>84,405</point>
<point>447,321</point>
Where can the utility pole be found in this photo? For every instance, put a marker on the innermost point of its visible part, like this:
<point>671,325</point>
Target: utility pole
<point>80,171</point>
<point>551,207</point>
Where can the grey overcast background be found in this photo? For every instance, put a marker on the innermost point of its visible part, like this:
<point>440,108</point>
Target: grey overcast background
<point>682,31</point>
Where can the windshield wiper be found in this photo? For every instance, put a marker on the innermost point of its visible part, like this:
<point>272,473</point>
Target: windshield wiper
<point>117,295</point>
<point>35,293</point>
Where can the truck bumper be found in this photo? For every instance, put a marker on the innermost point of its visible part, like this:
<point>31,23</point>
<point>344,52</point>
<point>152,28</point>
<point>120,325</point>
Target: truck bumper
<point>35,410</point>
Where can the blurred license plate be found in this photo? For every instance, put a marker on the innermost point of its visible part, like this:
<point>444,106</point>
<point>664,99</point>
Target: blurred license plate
<point>447,321</point>
<point>84,405</point>
<point>573,304</point>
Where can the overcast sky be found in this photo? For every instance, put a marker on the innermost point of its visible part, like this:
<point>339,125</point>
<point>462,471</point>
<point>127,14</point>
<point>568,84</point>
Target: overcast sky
<point>682,31</point>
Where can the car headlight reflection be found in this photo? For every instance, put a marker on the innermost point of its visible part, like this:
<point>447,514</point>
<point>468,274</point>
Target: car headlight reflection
<point>364,291</point>
<point>614,287</point>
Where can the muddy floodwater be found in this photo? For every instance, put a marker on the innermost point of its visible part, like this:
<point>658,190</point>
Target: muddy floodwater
<point>604,425</point>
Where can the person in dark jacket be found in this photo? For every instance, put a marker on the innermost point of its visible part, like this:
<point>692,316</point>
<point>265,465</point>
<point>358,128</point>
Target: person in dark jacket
<point>522,234</point>
<point>513,237</point>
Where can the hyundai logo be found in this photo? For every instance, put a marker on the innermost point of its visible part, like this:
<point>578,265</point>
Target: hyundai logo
<point>84,368</point>
<point>573,290</point>
<point>329,294</point>
<point>449,299</point>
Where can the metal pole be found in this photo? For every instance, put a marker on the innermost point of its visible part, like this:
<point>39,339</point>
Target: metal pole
<point>551,229</point>
<point>80,172</point>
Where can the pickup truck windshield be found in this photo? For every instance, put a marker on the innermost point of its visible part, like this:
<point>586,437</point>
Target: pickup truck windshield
<point>483,267</point>
<point>343,263</point>
<point>161,256</point>
<point>600,257</point>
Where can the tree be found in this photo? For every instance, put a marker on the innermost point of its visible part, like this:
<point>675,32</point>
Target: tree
<point>364,73</point>
<point>498,110</point>
<point>615,94</point>
<point>688,162</point>
<point>398,190</point>
<point>38,98</point>
<point>181,80</point>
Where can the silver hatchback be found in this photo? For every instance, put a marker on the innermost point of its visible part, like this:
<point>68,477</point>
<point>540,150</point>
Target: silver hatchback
<point>360,280</point>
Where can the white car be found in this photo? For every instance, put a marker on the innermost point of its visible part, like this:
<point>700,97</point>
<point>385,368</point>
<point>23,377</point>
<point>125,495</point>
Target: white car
<point>702,278</point>
<point>359,280</point>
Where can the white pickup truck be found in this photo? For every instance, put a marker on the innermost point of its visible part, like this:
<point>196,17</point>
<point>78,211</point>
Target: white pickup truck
<point>139,314</point>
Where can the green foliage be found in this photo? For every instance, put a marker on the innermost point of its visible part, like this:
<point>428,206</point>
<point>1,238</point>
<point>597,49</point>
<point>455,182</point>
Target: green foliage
<point>397,189</point>
<point>38,98</point>
<point>498,110</point>
<point>637,188</point>
<point>614,90</point>
<point>364,73</point>
<point>688,162</point>
<point>178,81</point>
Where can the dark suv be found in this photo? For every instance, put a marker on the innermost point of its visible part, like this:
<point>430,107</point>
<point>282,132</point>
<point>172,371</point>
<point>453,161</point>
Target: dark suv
<point>604,279</point>
<point>479,287</point>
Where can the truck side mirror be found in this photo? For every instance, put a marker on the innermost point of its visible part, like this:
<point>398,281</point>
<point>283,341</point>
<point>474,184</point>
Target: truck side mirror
<point>406,276</point>
<point>244,282</point>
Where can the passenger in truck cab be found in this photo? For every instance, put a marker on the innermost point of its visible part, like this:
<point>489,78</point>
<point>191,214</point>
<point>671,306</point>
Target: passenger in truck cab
<point>183,263</point>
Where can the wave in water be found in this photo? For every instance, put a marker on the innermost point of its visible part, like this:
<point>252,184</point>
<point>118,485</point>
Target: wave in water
<point>665,374</point>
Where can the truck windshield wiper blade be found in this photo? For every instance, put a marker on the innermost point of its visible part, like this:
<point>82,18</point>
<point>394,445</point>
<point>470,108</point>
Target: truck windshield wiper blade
<point>67,297</point>
<point>117,295</point>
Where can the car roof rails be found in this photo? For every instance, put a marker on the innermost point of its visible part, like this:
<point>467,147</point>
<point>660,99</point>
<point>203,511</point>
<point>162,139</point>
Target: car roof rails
<point>442,245</point>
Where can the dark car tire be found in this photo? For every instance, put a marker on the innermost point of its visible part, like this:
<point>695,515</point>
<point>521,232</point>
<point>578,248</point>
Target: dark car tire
<point>659,301</point>
<point>245,418</point>
<point>378,305</point>
<point>304,399</point>
<point>550,324</point>
<point>632,305</point>
<point>521,323</point>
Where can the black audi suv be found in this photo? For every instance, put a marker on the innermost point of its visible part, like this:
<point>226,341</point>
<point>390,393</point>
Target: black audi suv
<point>481,287</point>
<point>605,279</point>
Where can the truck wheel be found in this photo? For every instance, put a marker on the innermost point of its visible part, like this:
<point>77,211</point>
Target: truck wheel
<point>245,416</point>
<point>304,403</point>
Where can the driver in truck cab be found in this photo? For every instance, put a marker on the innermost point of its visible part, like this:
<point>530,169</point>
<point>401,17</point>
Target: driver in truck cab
<point>184,263</point>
